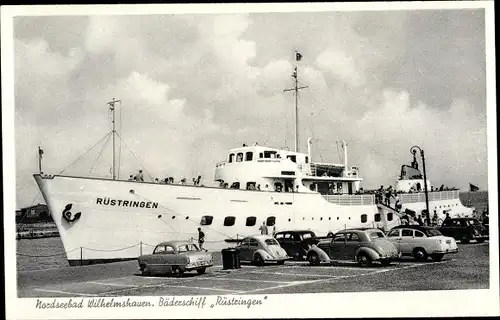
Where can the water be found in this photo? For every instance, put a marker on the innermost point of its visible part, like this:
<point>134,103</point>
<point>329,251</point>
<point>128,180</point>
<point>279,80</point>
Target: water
<point>53,248</point>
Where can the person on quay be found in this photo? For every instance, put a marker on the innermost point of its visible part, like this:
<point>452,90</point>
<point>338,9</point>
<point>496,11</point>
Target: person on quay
<point>201,238</point>
<point>447,216</point>
<point>263,228</point>
<point>140,176</point>
<point>131,178</point>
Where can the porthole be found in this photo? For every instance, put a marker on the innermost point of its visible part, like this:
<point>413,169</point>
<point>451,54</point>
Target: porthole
<point>173,217</point>
<point>349,218</point>
<point>159,216</point>
<point>321,219</point>
<point>312,218</point>
<point>329,218</point>
<point>337,218</point>
<point>289,220</point>
<point>229,221</point>
<point>364,218</point>
<point>303,218</point>
<point>187,218</point>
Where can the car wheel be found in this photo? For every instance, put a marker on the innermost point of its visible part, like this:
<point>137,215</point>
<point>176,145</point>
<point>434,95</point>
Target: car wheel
<point>364,260</point>
<point>281,262</point>
<point>385,262</point>
<point>257,260</point>
<point>146,271</point>
<point>419,254</point>
<point>437,257</point>
<point>313,259</point>
<point>176,270</point>
<point>201,270</point>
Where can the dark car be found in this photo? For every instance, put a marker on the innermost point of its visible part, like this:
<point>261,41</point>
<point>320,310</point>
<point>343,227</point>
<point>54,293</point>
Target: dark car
<point>296,242</point>
<point>364,246</point>
<point>464,229</point>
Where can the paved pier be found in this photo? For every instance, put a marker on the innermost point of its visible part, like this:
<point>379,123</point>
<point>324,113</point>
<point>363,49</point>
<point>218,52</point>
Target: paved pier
<point>468,269</point>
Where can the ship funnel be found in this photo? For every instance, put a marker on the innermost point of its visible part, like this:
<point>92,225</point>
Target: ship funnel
<point>309,143</point>
<point>344,145</point>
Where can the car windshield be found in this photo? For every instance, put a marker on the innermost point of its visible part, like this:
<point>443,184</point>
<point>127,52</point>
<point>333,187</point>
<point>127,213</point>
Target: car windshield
<point>306,236</point>
<point>472,222</point>
<point>434,233</point>
<point>376,234</point>
<point>187,247</point>
<point>271,242</point>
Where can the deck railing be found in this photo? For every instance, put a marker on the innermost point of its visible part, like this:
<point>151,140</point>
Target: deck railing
<point>351,200</point>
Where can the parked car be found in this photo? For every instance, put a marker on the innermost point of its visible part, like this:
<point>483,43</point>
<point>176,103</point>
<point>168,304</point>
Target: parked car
<point>464,229</point>
<point>261,249</point>
<point>175,257</point>
<point>421,242</point>
<point>364,246</point>
<point>296,242</point>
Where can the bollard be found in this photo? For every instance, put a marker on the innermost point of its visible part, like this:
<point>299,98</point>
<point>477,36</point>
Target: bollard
<point>81,256</point>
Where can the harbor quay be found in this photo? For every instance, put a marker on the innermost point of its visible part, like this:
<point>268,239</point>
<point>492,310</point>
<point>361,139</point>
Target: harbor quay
<point>468,269</point>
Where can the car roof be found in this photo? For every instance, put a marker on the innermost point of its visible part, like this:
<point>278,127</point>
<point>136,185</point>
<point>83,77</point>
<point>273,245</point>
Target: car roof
<point>358,229</point>
<point>296,231</point>
<point>175,243</point>
<point>261,237</point>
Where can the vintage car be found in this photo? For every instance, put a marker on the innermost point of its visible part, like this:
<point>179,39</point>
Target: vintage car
<point>261,249</point>
<point>364,246</point>
<point>296,242</point>
<point>175,257</point>
<point>464,229</point>
<point>421,242</point>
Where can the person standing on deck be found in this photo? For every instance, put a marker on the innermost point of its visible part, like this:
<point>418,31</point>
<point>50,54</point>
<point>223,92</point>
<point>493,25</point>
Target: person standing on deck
<point>140,176</point>
<point>201,238</point>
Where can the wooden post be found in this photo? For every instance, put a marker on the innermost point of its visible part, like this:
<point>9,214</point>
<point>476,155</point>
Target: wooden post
<point>81,256</point>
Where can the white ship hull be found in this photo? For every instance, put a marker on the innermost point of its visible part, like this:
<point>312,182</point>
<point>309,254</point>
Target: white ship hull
<point>120,220</point>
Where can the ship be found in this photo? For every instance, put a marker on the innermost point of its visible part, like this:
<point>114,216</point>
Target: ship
<point>104,220</point>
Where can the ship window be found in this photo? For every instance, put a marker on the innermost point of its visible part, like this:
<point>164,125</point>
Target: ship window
<point>364,218</point>
<point>377,217</point>
<point>270,221</point>
<point>231,157</point>
<point>229,221</point>
<point>251,185</point>
<point>206,220</point>
<point>251,221</point>
<point>269,154</point>
<point>292,158</point>
<point>249,156</point>
<point>389,216</point>
<point>261,155</point>
<point>307,159</point>
<point>235,185</point>
<point>288,173</point>
<point>239,157</point>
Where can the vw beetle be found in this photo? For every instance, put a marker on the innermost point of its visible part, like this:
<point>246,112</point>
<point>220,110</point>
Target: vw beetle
<point>261,249</point>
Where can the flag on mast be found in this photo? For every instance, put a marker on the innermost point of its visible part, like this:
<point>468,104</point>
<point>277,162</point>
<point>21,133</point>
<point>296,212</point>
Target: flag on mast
<point>298,56</point>
<point>40,152</point>
<point>473,188</point>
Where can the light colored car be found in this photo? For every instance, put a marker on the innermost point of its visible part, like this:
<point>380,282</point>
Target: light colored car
<point>175,257</point>
<point>261,249</point>
<point>362,245</point>
<point>422,242</point>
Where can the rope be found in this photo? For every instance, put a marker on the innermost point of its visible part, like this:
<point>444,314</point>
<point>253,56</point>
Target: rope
<point>100,153</point>
<point>112,250</point>
<point>85,152</point>
<point>150,177</point>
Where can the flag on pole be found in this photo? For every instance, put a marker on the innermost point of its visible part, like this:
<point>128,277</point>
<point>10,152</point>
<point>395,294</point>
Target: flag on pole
<point>473,188</point>
<point>298,56</point>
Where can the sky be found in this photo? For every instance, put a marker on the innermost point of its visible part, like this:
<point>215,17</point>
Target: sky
<point>194,86</point>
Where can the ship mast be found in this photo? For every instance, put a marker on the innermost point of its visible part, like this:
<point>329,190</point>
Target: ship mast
<point>113,132</point>
<point>296,89</point>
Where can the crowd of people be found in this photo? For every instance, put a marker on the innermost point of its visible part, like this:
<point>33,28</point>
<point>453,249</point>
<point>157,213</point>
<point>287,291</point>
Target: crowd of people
<point>139,177</point>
